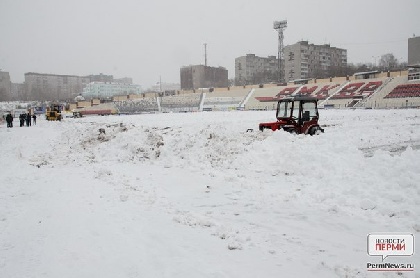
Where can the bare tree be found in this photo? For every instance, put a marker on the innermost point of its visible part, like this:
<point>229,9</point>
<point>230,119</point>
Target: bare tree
<point>388,62</point>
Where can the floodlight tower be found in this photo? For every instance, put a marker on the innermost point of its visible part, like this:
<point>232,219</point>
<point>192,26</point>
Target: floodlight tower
<point>279,26</point>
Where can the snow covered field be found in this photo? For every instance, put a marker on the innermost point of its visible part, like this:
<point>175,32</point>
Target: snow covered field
<point>194,195</point>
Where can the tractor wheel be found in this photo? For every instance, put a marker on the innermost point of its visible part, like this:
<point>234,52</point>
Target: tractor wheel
<point>314,131</point>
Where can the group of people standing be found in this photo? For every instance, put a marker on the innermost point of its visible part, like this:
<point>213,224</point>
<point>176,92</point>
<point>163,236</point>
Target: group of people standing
<point>26,118</point>
<point>22,119</point>
<point>9,120</point>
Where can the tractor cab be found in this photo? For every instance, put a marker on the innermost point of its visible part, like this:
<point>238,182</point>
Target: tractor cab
<point>297,114</point>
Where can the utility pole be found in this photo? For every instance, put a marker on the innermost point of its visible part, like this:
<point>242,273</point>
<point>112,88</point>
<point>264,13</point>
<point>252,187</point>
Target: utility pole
<point>205,54</point>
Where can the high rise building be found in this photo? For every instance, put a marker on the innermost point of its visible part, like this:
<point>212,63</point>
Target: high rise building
<point>5,86</point>
<point>414,51</point>
<point>18,91</point>
<point>101,78</point>
<point>124,80</point>
<point>304,60</point>
<point>251,69</point>
<point>41,86</point>
<point>199,76</point>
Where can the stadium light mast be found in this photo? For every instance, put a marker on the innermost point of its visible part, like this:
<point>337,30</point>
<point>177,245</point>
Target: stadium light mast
<point>279,26</point>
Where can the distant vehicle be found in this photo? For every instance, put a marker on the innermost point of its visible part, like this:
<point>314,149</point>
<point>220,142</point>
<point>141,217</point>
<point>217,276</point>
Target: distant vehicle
<point>296,114</point>
<point>77,114</point>
<point>39,110</point>
<point>53,113</point>
<point>100,112</point>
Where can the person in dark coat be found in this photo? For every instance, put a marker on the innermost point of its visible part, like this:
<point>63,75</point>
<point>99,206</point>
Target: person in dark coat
<point>28,119</point>
<point>22,119</point>
<point>9,120</point>
<point>34,119</point>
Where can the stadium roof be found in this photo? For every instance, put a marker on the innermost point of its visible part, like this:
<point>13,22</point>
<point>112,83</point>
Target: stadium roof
<point>367,72</point>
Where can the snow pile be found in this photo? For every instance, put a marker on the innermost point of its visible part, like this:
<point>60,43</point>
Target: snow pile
<point>195,195</point>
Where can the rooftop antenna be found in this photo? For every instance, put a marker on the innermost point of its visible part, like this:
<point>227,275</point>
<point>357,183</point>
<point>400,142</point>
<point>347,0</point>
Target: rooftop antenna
<point>279,26</point>
<point>205,54</point>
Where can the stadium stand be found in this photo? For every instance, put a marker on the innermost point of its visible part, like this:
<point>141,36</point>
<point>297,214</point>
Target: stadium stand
<point>225,99</point>
<point>348,91</point>
<point>325,91</point>
<point>378,90</point>
<point>370,88</point>
<point>379,98</point>
<point>221,103</point>
<point>231,92</point>
<point>263,98</point>
<point>181,103</point>
<point>405,91</point>
<point>136,106</point>
<point>286,92</point>
<point>306,90</point>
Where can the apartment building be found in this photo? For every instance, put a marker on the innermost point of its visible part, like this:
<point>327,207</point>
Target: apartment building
<point>5,86</point>
<point>18,91</point>
<point>414,51</point>
<point>41,86</point>
<point>109,78</point>
<point>124,80</point>
<point>251,69</point>
<point>101,78</point>
<point>304,60</point>
<point>200,76</point>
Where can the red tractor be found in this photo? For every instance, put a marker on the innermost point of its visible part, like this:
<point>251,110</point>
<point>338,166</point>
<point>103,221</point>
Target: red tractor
<point>296,114</point>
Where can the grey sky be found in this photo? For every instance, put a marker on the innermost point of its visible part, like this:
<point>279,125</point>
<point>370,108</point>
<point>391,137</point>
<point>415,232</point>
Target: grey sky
<point>148,39</point>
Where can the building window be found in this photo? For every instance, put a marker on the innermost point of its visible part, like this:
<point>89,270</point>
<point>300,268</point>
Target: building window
<point>291,56</point>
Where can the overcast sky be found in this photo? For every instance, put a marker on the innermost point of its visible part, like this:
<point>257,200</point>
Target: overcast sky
<point>147,40</point>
